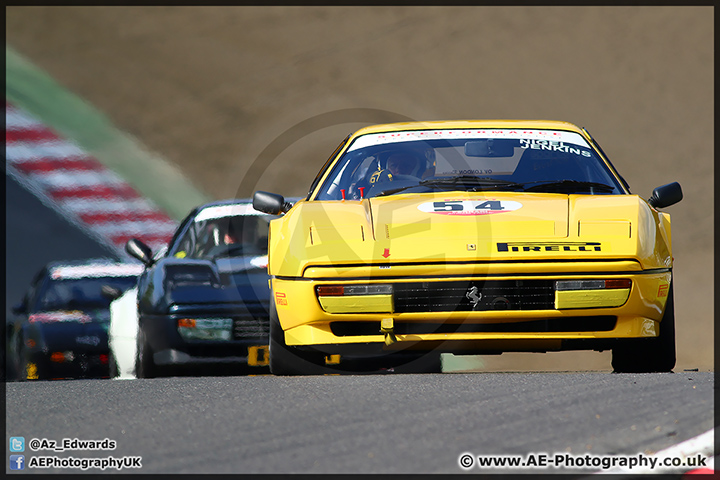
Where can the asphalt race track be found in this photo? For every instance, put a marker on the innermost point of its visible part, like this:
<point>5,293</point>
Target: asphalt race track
<point>362,424</point>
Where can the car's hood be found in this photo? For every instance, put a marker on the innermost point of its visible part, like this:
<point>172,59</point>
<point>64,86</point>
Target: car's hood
<point>468,227</point>
<point>224,280</point>
<point>468,216</point>
<point>240,264</point>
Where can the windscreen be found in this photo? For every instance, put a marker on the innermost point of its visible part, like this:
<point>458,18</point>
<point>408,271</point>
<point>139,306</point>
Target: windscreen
<point>233,236</point>
<point>469,160</point>
<point>80,293</point>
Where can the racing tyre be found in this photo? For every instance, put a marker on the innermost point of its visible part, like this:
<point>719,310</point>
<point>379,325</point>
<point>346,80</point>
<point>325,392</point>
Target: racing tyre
<point>430,362</point>
<point>144,365</point>
<point>399,362</point>
<point>649,355</point>
<point>112,366</point>
<point>286,360</point>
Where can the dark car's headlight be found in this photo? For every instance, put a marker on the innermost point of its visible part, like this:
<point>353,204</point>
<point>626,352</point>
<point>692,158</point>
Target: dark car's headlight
<point>205,328</point>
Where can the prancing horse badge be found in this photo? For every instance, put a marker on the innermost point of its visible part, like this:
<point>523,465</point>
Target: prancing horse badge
<point>474,296</point>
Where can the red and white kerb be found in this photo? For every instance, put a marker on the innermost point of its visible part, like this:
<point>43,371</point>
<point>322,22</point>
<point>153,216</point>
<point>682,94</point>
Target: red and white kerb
<point>79,186</point>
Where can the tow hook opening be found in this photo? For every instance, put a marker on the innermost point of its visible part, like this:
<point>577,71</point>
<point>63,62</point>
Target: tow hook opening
<point>387,327</point>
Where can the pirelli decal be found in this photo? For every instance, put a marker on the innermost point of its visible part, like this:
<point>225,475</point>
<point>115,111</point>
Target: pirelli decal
<point>280,298</point>
<point>549,247</point>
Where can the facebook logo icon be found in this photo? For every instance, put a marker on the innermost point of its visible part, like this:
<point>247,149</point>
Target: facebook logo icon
<point>17,462</point>
<point>17,444</point>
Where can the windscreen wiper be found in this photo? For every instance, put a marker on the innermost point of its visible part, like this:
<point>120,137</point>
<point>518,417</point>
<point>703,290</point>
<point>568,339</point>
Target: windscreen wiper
<point>478,183</point>
<point>566,186</point>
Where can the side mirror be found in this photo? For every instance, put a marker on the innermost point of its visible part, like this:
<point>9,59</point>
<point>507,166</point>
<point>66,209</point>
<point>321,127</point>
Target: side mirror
<point>110,292</point>
<point>666,195</point>
<point>271,203</point>
<point>139,250</point>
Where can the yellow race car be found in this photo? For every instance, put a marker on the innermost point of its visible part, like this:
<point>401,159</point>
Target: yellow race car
<point>468,237</point>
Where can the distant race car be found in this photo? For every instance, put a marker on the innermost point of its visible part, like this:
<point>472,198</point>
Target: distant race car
<point>61,328</point>
<point>470,237</point>
<point>205,302</point>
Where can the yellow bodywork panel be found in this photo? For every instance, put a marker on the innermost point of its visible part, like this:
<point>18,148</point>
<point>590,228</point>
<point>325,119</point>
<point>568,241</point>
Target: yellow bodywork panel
<point>599,228</point>
<point>357,304</point>
<point>320,334</point>
<point>565,299</point>
<point>338,233</point>
<point>475,269</point>
<point>395,232</point>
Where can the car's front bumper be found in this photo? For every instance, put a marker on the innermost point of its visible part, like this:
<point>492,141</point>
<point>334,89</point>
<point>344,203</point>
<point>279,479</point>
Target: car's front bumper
<point>66,363</point>
<point>567,320</point>
<point>170,347</point>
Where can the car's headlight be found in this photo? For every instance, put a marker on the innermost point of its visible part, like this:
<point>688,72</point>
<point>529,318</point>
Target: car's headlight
<point>355,298</point>
<point>593,284</point>
<point>205,328</point>
<point>595,293</point>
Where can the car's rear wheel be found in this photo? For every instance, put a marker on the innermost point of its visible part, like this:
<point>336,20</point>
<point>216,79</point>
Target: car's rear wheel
<point>649,355</point>
<point>285,360</point>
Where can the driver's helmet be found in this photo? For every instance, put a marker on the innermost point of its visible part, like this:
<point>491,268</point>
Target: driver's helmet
<point>414,160</point>
<point>404,163</point>
<point>234,231</point>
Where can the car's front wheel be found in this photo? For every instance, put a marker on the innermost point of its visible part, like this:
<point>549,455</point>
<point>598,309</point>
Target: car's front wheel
<point>144,365</point>
<point>112,366</point>
<point>397,362</point>
<point>285,360</point>
<point>653,354</point>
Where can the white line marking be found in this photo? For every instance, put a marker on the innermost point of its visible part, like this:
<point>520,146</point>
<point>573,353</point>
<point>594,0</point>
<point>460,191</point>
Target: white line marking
<point>703,444</point>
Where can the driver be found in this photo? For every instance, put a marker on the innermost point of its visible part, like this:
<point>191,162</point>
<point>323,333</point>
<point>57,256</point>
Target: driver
<point>402,164</point>
<point>231,237</point>
<point>398,165</point>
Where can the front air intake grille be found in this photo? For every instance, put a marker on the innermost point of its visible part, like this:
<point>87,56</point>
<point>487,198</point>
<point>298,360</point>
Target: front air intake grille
<point>604,323</point>
<point>251,328</point>
<point>474,295</point>
<point>251,322</point>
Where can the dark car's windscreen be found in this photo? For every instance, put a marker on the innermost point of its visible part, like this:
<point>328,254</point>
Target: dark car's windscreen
<point>79,293</point>
<point>540,161</point>
<point>234,236</point>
